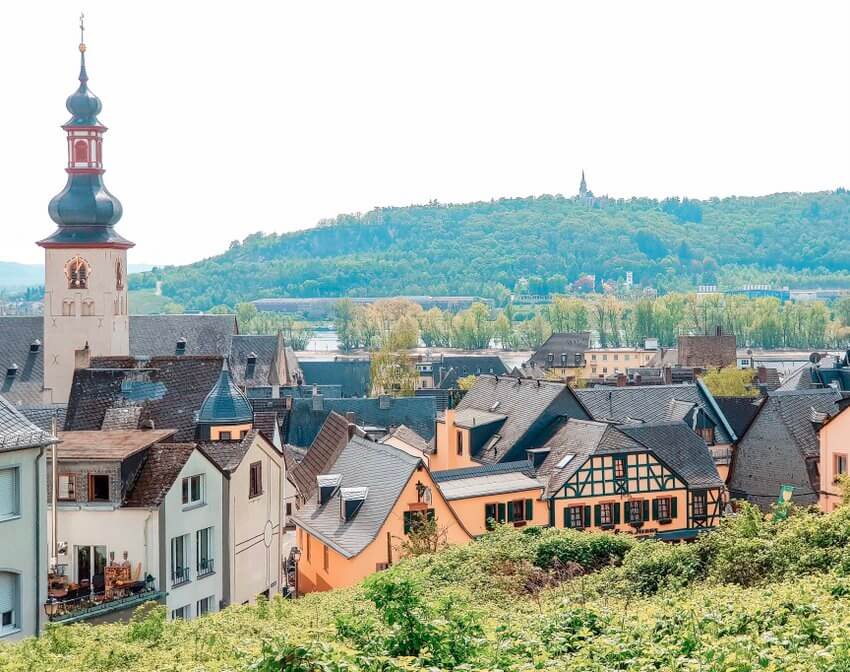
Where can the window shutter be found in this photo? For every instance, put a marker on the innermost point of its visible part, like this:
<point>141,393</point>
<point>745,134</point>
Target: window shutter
<point>510,512</point>
<point>529,509</point>
<point>587,516</point>
<point>8,492</point>
<point>627,513</point>
<point>673,502</point>
<point>615,515</point>
<point>568,520</point>
<point>655,509</point>
<point>489,515</point>
<point>597,515</point>
<point>501,510</point>
<point>8,583</point>
<point>645,509</point>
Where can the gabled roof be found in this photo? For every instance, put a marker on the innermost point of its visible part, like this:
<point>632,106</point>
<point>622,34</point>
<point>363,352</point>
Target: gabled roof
<point>384,470</point>
<point>485,480</point>
<point>324,450</point>
<point>653,403</point>
<point>418,413</point>
<point>17,334</point>
<point>562,343</point>
<point>354,375</point>
<point>16,432</point>
<point>528,406</point>
<point>157,335</point>
<point>162,466</point>
<point>169,389</point>
<point>228,455</point>
<point>406,435</point>
<point>781,446</point>
<point>42,416</point>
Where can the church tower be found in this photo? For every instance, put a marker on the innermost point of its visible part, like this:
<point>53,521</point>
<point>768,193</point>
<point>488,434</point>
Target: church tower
<point>85,259</point>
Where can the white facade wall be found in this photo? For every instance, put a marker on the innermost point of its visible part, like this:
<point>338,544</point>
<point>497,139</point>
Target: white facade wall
<point>187,520</point>
<point>107,330</point>
<point>255,526</point>
<point>23,541</point>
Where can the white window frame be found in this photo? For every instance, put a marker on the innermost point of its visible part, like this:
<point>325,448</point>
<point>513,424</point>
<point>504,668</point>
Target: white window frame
<point>186,491</point>
<point>209,551</point>
<point>186,541</point>
<point>15,512</point>
<point>185,612</point>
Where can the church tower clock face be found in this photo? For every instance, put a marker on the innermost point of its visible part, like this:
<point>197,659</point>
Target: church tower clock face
<point>77,272</point>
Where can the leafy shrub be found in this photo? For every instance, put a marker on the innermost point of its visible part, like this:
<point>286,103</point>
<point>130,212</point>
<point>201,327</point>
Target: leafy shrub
<point>567,631</point>
<point>591,550</point>
<point>653,565</point>
<point>147,623</point>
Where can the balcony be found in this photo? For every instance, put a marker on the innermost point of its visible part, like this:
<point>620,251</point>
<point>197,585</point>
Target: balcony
<point>206,567</point>
<point>81,604</point>
<point>179,576</point>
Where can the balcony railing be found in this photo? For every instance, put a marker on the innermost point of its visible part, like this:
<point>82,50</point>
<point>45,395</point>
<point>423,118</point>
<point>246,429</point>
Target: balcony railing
<point>179,575</point>
<point>206,567</point>
<point>78,606</point>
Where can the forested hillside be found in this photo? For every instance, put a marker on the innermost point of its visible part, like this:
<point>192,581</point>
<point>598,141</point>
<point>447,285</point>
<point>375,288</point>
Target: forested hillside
<point>484,248</point>
<point>756,595</point>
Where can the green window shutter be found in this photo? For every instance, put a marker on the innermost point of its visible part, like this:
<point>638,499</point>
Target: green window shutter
<point>615,513</point>
<point>627,513</point>
<point>501,515</point>
<point>646,509</point>
<point>407,519</point>
<point>489,515</point>
<point>510,512</point>
<point>655,509</point>
<point>568,522</point>
<point>597,515</point>
<point>587,516</point>
<point>529,510</point>
<point>673,502</point>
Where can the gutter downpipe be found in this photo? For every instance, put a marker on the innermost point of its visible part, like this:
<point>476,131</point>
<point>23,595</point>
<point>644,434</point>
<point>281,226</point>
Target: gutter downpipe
<point>39,550</point>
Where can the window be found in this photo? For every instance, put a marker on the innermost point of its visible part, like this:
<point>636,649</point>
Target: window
<point>616,357</point>
<point>635,511</point>
<point>619,467</point>
<point>707,433</point>
<point>69,308</point>
<point>179,560</point>
<point>243,433</point>
<point>604,358</point>
<point>593,369</point>
<point>308,548</point>
<point>204,551</point>
<point>224,436</point>
<point>255,485</point>
<point>700,504</point>
<point>81,151</point>
<point>520,511</point>
<point>550,357</point>
<point>459,442</point>
<point>8,603</point>
<point>77,272</point>
<point>840,464</point>
<point>98,487</point>
<point>205,606</point>
<point>88,308</point>
<point>664,509</point>
<point>593,357</point>
<point>604,369</point>
<point>193,489</point>
<point>67,485</point>
<point>414,519</point>
<point>605,514</point>
<point>577,517</point>
<point>182,612</point>
<point>326,561</point>
<point>9,493</point>
<point>289,508</point>
<point>119,276</point>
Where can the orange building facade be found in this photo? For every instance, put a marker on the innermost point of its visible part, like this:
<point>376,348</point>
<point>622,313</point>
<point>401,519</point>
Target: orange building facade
<point>834,436</point>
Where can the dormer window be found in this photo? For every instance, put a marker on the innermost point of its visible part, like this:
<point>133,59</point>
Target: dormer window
<point>77,272</point>
<point>35,346</point>
<point>350,501</point>
<point>12,371</point>
<point>327,486</point>
<point>250,364</point>
<point>181,346</point>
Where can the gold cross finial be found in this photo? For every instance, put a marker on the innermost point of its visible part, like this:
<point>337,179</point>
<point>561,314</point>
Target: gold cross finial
<point>82,32</point>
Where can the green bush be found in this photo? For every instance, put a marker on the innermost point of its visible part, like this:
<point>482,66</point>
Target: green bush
<point>653,565</point>
<point>591,550</point>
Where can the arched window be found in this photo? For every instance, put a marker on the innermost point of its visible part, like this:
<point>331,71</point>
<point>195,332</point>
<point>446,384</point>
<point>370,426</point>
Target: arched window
<point>78,271</point>
<point>119,276</point>
<point>88,308</point>
<point>81,151</point>
<point>68,308</point>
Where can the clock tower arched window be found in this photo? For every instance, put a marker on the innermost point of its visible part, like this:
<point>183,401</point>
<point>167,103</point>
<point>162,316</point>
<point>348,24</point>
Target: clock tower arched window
<point>78,272</point>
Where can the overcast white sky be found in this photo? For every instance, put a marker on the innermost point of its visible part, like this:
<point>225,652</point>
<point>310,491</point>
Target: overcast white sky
<point>227,119</point>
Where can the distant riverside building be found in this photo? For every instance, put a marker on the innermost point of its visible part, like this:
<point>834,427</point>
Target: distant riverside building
<point>324,306</point>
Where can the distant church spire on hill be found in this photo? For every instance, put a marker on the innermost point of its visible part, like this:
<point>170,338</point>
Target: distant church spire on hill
<point>582,188</point>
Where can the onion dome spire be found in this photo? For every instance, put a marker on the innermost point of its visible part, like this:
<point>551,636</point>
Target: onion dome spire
<point>85,211</point>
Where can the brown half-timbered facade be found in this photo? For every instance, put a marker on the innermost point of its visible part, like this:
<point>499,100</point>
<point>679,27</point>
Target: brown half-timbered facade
<point>643,479</point>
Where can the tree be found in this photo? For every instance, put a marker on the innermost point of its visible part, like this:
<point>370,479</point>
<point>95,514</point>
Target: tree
<point>730,382</point>
<point>393,373</point>
<point>465,384</point>
<point>345,324</point>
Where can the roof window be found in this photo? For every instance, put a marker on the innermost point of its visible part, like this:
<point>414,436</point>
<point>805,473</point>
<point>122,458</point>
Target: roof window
<point>35,346</point>
<point>565,460</point>
<point>251,364</point>
<point>327,485</point>
<point>350,501</point>
<point>181,346</point>
<point>12,371</point>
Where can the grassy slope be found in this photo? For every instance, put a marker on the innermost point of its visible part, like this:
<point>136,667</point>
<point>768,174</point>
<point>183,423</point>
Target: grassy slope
<point>795,617</point>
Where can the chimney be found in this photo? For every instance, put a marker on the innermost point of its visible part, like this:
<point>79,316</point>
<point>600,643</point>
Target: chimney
<point>351,416</point>
<point>82,358</point>
<point>762,375</point>
<point>667,375</point>
<point>147,425</point>
<point>622,380</point>
<point>638,379</point>
<point>275,391</point>
<point>537,456</point>
<point>318,400</point>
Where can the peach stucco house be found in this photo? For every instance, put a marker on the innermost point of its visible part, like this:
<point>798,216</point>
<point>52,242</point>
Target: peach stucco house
<point>834,439</point>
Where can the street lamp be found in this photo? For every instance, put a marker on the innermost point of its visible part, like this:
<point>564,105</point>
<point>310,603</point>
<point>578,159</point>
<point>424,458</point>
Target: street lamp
<point>295,553</point>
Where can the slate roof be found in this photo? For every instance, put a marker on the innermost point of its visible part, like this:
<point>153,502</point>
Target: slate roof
<point>16,336</point>
<point>653,403</point>
<point>157,335</point>
<point>228,455</point>
<point>529,407</point>
<point>408,436</point>
<point>323,452</point>
<point>225,404</point>
<point>418,413</point>
<point>449,368</point>
<point>381,468</point>
<point>169,389</point>
<point>354,375</point>
<point>488,484</point>
<point>781,447</point>
<point>560,343</point>
<point>42,416</point>
<point>159,472</point>
<point>16,432</point>
<point>739,411</point>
